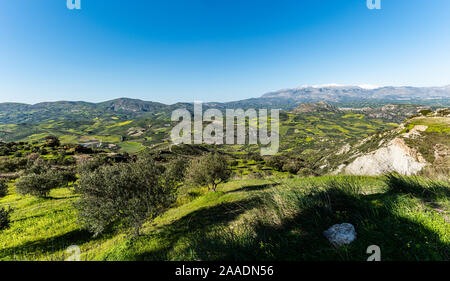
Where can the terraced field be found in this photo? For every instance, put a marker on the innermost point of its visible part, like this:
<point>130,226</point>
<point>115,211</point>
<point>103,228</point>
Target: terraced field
<point>310,135</point>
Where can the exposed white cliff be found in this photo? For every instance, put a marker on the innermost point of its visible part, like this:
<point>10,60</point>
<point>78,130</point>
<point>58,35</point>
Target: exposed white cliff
<point>395,156</point>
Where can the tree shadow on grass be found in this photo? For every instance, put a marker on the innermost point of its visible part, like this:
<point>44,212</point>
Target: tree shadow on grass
<point>62,198</point>
<point>48,247</point>
<point>190,225</point>
<point>300,237</point>
<point>250,188</point>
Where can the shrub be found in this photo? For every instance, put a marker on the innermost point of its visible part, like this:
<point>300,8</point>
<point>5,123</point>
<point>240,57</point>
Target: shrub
<point>209,170</point>
<point>127,193</point>
<point>305,172</point>
<point>5,218</point>
<point>98,161</point>
<point>292,167</point>
<point>176,169</point>
<point>256,157</point>
<point>40,184</point>
<point>256,175</point>
<point>52,141</point>
<point>425,112</point>
<point>63,176</point>
<point>79,149</point>
<point>92,165</point>
<point>66,161</point>
<point>276,162</point>
<point>444,112</point>
<point>37,166</point>
<point>3,188</point>
<point>12,165</point>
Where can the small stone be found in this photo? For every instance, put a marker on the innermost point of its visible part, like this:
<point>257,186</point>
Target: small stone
<point>341,234</point>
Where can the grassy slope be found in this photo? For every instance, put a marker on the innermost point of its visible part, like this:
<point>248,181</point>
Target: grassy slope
<point>434,143</point>
<point>42,229</point>
<point>246,220</point>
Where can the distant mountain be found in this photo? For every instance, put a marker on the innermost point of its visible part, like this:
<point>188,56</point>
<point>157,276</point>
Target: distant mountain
<point>348,94</point>
<point>321,106</point>
<point>125,108</point>
<point>131,105</point>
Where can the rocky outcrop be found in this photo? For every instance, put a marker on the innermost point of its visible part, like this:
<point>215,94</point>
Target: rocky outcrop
<point>396,156</point>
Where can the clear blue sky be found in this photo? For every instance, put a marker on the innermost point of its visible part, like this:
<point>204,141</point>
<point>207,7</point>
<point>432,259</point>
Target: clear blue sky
<point>215,50</point>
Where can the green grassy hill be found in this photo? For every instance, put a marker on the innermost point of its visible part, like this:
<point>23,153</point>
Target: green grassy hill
<point>269,219</point>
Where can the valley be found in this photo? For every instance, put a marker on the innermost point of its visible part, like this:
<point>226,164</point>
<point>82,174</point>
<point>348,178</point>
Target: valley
<point>383,168</point>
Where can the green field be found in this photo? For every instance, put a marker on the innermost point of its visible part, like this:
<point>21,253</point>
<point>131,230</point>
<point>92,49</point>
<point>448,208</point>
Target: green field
<point>268,219</point>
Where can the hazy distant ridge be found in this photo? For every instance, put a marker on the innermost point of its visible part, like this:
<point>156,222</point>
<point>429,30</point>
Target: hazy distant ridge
<point>15,113</point>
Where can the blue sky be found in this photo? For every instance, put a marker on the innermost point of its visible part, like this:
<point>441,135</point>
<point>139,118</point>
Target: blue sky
<point>215,50</point>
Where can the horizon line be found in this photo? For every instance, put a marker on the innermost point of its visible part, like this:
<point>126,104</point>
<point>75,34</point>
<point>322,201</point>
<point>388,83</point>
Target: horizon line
<point>330,85</point>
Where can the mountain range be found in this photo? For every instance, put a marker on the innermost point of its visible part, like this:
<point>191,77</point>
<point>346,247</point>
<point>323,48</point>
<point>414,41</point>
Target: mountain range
<point>15,113</point>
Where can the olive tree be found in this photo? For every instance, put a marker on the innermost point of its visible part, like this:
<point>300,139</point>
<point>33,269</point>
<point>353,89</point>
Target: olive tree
<point>127,193</point>
<point>3,188</point>
<point>210,170</point>
<point>52,141</point>
<point>176,169</point>
<point>4,218</point>
<point>40,184</point>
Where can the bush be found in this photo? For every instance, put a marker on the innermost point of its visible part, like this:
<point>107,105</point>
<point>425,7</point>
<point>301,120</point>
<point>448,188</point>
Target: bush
<point>127,193</point>
<point>92,165</point>
<point>176,169</point>
<point>209,170</point>
<point>52,141</point>
<point>62,160</point>
<point>12,165</point>
<point>98,161</point>
<point>276,162</point>
<point>3,188</point>
<point>40,184</point>
<point>256,157</point>
<point>38,166</point>
<point>4,218</point>
<point>79,149</point>
<point>292,167</point>
<point>256,175</point>
<point>305,172</point>
<point>64,176</point>
<point>425,112</point>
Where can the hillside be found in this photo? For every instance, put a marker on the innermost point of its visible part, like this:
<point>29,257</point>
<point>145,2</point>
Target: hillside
<point>264,220</point>
<point>287,99</point>
<point>420,144</point>
<point>312,136</point>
